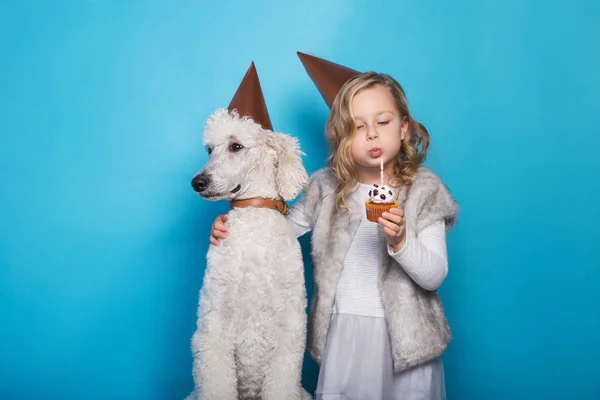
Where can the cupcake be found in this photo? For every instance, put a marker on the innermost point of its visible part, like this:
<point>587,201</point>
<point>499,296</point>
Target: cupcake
<point>381,199</point>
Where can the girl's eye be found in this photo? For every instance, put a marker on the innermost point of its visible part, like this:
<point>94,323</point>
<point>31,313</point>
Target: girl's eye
<point>383,123</point>
<point>360,126</point>
<point>209,150</point>
<point>235,147</point>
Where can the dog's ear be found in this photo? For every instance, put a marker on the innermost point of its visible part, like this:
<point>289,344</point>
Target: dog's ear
<point>291,175</point>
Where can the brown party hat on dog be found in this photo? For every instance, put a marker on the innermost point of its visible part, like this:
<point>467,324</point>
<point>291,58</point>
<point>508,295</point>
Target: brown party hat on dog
<point>327,76</point>
<point>249,100</point>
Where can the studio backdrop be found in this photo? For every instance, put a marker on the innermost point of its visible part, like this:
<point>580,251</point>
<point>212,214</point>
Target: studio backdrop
<point>103,241</point>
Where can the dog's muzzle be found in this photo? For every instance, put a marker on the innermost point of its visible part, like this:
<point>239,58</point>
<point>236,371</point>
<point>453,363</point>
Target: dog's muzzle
<point>200,182</point>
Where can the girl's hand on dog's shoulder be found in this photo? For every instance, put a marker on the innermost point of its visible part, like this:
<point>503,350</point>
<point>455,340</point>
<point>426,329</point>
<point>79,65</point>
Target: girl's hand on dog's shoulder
<point>219,229</point>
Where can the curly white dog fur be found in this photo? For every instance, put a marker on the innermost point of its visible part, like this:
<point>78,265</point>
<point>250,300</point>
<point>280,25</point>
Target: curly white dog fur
<point>251,333</point>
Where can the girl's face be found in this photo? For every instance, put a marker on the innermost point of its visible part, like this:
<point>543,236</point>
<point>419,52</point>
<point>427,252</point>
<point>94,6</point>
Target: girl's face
<point>379,128</point>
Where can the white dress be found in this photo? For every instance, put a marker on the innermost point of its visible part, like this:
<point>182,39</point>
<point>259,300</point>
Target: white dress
<point>357,360</point>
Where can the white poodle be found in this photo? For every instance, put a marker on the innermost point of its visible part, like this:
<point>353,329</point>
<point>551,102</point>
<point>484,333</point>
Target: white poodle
<point>251,334</point>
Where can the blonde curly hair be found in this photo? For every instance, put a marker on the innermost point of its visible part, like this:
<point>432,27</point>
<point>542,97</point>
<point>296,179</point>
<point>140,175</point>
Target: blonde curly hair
<point>341,130</point>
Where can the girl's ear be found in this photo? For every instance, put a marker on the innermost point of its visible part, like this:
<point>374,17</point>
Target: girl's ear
<point>404,128</point>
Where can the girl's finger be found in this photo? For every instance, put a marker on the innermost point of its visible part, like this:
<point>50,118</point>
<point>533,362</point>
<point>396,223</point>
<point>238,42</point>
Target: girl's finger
<point>219,235</point>
<point>214,241</point>
<point>220,227</point>
<point>220,222</point>
<point>391,233</point>
<point>388,231</point>
<point>397,219</point>
<point>389,224</point>
<point>396,211</point>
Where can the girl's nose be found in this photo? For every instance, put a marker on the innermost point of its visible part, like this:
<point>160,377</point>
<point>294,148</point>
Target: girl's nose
<point>372,133</point>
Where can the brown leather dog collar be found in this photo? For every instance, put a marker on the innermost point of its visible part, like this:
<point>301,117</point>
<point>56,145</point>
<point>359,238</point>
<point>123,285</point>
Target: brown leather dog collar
<point>260,202</point>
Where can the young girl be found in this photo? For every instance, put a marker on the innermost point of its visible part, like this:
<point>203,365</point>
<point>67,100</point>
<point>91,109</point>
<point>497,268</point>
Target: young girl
<point>376,327</point>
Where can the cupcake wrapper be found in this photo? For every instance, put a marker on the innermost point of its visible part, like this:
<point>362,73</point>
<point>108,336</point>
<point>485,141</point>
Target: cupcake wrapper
<point>374,211</point>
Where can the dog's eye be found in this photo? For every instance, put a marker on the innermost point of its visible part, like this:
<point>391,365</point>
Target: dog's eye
<point>209,150</point>
<point>235,147</point>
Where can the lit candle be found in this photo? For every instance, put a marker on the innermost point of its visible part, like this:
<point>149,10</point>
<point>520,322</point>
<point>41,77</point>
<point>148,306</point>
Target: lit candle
<point>381,171</point>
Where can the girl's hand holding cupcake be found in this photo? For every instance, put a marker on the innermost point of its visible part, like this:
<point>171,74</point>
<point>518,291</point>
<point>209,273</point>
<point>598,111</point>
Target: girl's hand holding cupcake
<point>394,226</point>
<point>382,207</point>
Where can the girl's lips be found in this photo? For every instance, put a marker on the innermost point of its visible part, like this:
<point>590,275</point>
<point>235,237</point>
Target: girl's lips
<point>375,152</point>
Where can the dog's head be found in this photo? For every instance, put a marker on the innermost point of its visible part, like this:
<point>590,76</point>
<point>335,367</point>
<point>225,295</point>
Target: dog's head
<point>246,161</point>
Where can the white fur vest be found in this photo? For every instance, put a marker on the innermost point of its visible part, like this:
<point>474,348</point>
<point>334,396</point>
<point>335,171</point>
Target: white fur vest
<point>418,328</point>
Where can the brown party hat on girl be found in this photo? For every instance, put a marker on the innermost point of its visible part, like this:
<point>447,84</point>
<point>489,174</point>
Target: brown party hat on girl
<point>249,100</point>
<point>327,76</point>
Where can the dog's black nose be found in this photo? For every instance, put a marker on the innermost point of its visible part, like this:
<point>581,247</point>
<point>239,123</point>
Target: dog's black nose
<point>200,182</point>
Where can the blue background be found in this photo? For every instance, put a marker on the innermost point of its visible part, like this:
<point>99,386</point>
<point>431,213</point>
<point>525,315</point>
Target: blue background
<point>103,242</point>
